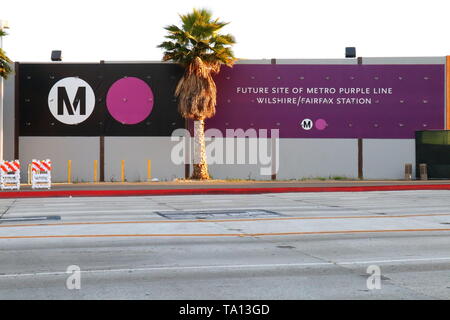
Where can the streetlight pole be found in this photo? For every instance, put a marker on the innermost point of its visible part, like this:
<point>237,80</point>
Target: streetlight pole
<point>3,25</point>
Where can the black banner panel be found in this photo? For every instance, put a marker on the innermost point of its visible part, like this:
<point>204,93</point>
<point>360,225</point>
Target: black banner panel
<point>101,99</point>
<point>433,149</point>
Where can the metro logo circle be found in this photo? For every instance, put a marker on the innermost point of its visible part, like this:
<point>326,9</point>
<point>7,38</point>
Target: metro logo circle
<point>71,100</point>
<point>129,100</point>
<point>306,124</point>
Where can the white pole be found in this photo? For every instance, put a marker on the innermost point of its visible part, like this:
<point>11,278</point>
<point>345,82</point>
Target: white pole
<point>3,25</point>
<point>1,108</point>
<point>1,119</point>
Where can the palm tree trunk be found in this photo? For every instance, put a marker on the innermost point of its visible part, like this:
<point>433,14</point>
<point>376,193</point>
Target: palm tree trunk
<point>200,165</point>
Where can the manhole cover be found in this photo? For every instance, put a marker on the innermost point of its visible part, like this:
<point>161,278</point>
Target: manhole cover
<point>218,214</point>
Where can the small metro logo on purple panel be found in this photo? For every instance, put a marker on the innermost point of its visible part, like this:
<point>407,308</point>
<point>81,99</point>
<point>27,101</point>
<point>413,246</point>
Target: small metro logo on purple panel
<point>129,100</point>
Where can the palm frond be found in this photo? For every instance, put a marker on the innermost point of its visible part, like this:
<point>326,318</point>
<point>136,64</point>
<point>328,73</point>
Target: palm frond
<point>199,47</point>
<point>5,67</point>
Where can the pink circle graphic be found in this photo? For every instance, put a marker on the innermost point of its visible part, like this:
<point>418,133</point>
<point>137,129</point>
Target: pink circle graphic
<point>321,124</point>
<point>129,100</point>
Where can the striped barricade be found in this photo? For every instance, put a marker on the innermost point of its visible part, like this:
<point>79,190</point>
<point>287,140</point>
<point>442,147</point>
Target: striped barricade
<point>10,175</point>
<point>41,174</point>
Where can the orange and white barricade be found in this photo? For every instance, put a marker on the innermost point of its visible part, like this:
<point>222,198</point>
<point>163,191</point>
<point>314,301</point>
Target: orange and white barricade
<point>10,175</point>
<point>41,174</point>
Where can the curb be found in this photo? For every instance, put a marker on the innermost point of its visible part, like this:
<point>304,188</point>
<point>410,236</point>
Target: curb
<point>162,192</point>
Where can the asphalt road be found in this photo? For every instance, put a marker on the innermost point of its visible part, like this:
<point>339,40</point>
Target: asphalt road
<point>265,246</point>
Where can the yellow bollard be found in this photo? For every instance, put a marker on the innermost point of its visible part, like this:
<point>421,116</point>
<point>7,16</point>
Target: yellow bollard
<point>123,170</point>
<point>149,170</point>
<point>69,171</point>
<point>29,173</point>
<point>95,171</point>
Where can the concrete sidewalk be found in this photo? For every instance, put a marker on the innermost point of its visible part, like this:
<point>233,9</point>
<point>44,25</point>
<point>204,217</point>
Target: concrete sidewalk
<point>222,187</point>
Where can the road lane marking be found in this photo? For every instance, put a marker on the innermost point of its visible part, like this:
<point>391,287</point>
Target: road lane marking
<point>222,220</point>
<point>155,235</point>
<point>30,218</point>
<point>237,266</point>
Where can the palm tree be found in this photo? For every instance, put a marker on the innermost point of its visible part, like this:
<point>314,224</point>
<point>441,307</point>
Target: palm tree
<point>5,68</point>
<point>201,50</point>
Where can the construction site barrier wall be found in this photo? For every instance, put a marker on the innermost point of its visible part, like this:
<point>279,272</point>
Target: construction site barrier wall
<point>372,141</point>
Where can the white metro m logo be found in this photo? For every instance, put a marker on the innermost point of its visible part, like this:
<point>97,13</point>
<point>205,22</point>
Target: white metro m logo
<point>306,124</point>
<point>71,100</point>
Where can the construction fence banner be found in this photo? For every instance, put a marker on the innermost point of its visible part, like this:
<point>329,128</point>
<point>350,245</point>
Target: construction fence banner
<point>302,101</point>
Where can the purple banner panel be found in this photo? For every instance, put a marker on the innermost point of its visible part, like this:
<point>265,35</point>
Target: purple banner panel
<point>331,101</point>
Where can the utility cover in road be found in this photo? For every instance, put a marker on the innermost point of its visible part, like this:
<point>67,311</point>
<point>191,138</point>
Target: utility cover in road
<point>218,214</point>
